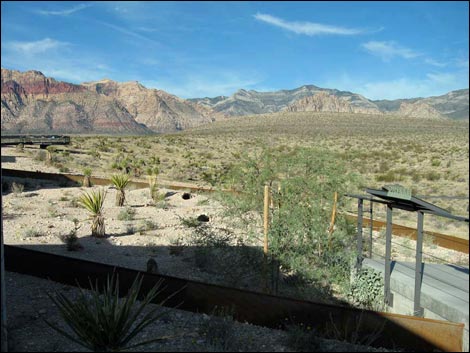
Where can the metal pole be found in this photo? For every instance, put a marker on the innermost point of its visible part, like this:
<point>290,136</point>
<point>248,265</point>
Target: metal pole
<point>4,344</point>
<point>418,310</point>
<point>371,228</point>
<point>359,257</point>
<point>388,298</point>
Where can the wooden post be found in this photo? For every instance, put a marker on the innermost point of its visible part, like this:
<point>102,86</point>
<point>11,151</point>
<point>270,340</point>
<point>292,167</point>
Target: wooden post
<point>266,229</point>
<point>266,218</point>
<point>333,217</point>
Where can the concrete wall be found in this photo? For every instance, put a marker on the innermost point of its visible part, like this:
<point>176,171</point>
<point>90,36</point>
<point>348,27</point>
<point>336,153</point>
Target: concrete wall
<point>439,300</point>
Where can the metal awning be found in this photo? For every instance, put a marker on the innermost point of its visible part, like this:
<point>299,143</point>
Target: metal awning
<point>399,197</point>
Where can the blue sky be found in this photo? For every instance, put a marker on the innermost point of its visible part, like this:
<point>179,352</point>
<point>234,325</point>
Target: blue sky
<point>382,50</point>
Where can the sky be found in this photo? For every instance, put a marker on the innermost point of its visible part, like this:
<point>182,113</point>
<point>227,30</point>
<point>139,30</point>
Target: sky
<point>382,50</point>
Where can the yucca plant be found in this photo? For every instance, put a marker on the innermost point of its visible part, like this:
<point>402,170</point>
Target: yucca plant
<point>50,153</point>
<point>105,322</point>
<point>93,202</point>
<point>87,177</point>
<point>120,181</point>
<point>153,188</point>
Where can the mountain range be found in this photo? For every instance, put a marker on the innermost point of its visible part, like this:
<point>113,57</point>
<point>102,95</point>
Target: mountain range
<point>454,105</point>
<point>34,103</point>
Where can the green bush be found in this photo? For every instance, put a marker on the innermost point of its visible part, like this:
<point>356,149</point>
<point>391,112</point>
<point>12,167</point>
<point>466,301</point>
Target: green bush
<point>366,290</point>
<point>432,176</point>
<point>298,234</point>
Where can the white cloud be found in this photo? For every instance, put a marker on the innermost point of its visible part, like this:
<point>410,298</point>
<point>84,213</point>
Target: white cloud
<point>462,63</point>
<point>434,62</point>
<point>444,79</point>
<point>128,32</point>
<point>388,50</point>
<point>64,12</point>
<point>432,84</point>
<point>36,47</point>
<point>307,28</point>
<point>204,85</point>
<point>55,59</point>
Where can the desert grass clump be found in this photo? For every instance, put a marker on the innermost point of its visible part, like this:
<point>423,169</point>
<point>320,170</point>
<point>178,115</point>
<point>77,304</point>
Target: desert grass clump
<point>93,203</point>
<point>120,181</point>
<point>107,323</point>
<point>127,214</point>
<point>33,233</point>
<point>16,188</point>
<point>71,239</point>
<point>219,331</point>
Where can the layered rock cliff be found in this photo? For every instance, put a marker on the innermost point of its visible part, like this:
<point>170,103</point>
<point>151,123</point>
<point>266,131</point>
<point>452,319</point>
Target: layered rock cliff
<point>326,102</point>
<point>419,109</point>
<point>156,109</point>
<point>34,103</point>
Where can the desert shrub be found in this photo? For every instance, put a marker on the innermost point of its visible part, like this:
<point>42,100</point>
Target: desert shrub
<point>298,235</point>
<point>219,331</point>
<point>190,222</point>
<point>432,176</point>
<point>176,246</point>
<point>147,225</point>
<point>127,214</point>
<point>388,177</point>
<point>71,239</point>
<point>33,233</point>
<point>41,156</point>
<point>94,153</point>
<point>366,289</point>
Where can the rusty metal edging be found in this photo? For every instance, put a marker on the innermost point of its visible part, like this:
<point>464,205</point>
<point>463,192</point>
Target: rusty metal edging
<point>77,179</point>
<point>402,331</point>
<point>442,240</point>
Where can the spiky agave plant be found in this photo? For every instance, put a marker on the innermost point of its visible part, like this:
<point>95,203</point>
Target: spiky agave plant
<point>93,202</point>
<point>107,323</point>
<point>120,181</point>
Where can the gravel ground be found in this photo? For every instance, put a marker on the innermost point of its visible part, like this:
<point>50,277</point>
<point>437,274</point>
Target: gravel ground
<point>48,211</point>
<point>28,305</point>
<point>38,216</point>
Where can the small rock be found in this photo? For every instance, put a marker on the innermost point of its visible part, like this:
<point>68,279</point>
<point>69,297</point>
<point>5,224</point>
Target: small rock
<point>203,218</point>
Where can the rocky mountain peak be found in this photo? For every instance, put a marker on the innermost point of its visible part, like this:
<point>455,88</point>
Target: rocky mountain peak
<point>419,109</point>
<point>326,102</point>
